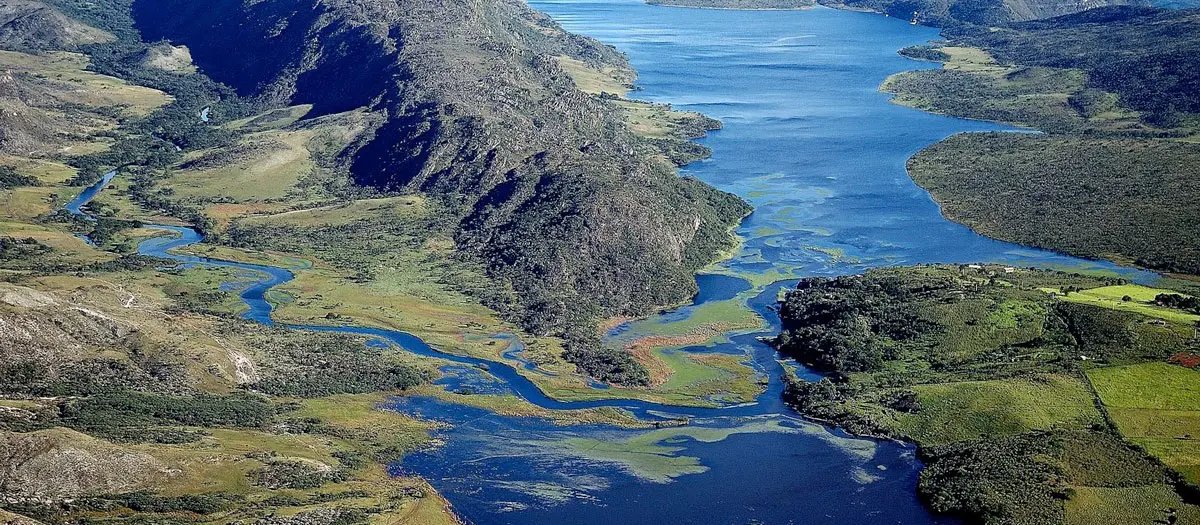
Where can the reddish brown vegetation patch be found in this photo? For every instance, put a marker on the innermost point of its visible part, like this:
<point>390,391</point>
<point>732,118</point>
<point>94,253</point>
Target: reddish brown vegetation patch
<point>1185,359</point>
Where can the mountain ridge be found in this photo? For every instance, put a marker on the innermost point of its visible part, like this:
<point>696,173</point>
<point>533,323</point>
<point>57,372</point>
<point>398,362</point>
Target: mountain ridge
<point>569,209</point>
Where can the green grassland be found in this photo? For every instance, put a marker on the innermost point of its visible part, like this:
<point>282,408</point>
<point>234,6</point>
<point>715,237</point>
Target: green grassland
<point>981,409</point>
<point>64,76</point>
<point>1141,301</point>
<point>1157,406</point>
<point>1089,505</point>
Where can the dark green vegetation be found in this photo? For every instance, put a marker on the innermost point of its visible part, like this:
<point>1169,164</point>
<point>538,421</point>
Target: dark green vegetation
<point>1118,170</point>
<point>1124,199</point>
<point>985,369</point>
<point>947,13</point>
<point>737,4</point>
<point>1147,56</point>
<point>1025,478</point>
<point>573,217</point>
<point>344,366</point>
<point>1180,302</point>
<point>9,178</point>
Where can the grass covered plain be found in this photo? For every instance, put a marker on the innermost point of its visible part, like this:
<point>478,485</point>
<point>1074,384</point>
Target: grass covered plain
<point>1157,406</point>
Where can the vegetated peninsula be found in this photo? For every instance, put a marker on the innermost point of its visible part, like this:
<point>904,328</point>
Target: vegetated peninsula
<point>1116,172</point>
<point>941,13</point>
<point>1036,397</point>
<point>737,4</point>
<point>950,13</point>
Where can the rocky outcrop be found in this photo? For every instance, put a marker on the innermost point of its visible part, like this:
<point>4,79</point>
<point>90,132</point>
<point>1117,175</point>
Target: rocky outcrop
<point>49,466</point>
<point>167,57</point>
<point>28,25</point>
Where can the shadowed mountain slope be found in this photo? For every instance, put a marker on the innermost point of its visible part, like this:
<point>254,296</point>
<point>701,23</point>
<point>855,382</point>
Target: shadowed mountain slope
<point>568,208</point>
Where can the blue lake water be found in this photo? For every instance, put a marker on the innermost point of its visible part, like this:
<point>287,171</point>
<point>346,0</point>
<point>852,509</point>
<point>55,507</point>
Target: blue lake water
<point>820,153</point>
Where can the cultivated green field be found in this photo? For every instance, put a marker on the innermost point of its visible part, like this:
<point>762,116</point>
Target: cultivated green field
<point>1157,406</point>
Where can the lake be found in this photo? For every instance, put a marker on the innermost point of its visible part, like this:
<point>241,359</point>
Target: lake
<point>820,153</point>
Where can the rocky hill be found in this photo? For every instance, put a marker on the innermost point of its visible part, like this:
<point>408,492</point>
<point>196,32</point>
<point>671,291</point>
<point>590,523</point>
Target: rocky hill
<point>37,26</point>
<point>567,207</point>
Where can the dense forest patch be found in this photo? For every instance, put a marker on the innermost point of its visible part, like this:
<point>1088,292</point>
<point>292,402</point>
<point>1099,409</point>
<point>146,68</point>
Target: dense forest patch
<point>1127,199</point>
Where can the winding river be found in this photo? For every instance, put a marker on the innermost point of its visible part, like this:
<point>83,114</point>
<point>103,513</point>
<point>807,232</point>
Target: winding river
<point>820,153</point>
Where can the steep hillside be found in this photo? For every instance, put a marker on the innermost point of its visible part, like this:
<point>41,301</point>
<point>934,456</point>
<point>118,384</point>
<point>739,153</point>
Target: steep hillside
<point>566,206</point>
<point>28,25</point>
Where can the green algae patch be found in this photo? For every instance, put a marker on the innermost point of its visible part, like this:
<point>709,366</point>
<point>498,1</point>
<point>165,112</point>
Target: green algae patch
<point>660,455</point>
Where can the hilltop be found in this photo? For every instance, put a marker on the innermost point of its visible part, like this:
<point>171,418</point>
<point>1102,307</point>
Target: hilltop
<point>27,24</point>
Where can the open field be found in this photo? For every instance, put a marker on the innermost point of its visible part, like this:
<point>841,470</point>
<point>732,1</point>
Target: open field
<point>980,409</point>
<point>274,119</point>
<point>606,79</point>
<point>64,76</point>
<point>1157,406</point>
<point>1142,301</point>
<point>274,163</point>
<point>1091,505</point>
<point>345,213</point>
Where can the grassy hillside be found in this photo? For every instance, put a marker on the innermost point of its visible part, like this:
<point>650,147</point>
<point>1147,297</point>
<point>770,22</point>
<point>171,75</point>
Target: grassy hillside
<point>1024,402</point>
